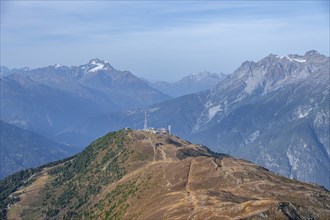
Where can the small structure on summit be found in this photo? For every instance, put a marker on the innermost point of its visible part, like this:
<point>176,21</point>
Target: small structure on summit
<point>154,130</point>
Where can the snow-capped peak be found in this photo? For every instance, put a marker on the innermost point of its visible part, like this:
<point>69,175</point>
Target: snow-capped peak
<point>96,65</point>
<point>57,66</point>
<point>96,61</point>
<point>298,58</point>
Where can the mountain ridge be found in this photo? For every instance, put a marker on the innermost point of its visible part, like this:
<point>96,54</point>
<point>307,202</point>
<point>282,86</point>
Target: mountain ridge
<point>192,83</point>
<point>149,175</point>
<point>55,97</point>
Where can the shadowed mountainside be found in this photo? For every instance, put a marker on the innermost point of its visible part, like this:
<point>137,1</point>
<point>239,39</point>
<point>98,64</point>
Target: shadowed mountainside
<point>21,149</point>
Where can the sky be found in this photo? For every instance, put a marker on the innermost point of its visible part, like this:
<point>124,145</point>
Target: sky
<point>160,40</point>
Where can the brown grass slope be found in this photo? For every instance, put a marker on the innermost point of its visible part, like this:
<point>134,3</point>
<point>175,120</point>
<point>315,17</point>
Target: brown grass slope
<point>142,175</point>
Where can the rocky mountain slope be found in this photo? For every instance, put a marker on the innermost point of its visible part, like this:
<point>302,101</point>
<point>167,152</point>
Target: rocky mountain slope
<point>144,175</point>
<point>189,84</point>
<point>274,112</point>
<point>21,149</point>
<point>48,100</point>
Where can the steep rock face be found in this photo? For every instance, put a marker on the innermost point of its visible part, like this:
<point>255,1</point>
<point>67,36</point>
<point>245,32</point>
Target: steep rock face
<point>274,112</point>
<point>49,100</point>
<point>190,84</point>
<point>253,80</point>
<point>21,149</point>
<point>145,175</point>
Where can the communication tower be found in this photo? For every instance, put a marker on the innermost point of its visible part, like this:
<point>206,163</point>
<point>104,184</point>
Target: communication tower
<point>145,121</point>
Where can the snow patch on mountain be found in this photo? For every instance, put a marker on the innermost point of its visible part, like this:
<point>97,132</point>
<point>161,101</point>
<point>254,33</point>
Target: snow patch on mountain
<point>98,67</point>
<point>287,57</point>
<point>292,58</point>
<point>57,66</point>
<point>299,60</point>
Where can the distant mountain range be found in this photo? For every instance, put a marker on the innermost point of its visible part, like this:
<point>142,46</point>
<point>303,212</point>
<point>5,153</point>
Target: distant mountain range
<point>21,149</point>
<point>189,84</point>
<point>48,100</point>
<point>274,112</point>
<point>151,175</point>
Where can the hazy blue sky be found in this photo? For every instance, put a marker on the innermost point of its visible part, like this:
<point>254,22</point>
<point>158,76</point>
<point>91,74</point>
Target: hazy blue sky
<point>160,40</point>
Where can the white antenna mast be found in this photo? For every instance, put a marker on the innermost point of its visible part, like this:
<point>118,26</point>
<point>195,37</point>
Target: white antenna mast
<point>145,121</point>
